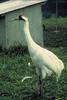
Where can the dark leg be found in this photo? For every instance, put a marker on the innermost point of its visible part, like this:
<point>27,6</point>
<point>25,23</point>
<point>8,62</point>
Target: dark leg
<point>40,84</point>
<point>58,88</point>
<point>40,88</point>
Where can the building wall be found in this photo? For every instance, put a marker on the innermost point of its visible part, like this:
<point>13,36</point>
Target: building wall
<point>14,29</point>
<point>2,32</point>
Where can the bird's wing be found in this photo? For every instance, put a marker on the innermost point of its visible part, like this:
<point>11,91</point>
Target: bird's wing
<point>44,57</point>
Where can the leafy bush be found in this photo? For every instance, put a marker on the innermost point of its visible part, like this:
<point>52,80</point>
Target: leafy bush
<point>55,31</point>
<point>51,23</point>
<point>55,39</point>
<point>15,50</point>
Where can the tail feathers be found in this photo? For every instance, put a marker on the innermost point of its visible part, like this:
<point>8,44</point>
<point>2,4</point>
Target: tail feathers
<point>60,69</point>
<point>25,78</point>
<point>61,64</point>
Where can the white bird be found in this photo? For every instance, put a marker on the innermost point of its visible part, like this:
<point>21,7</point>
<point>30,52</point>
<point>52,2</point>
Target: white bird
<point>45,61</point>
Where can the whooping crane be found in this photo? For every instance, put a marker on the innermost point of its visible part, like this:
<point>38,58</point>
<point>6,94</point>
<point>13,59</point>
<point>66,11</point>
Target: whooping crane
<point>45,61</point>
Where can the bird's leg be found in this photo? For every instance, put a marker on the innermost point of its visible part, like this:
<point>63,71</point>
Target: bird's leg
<point>39,82</point>
<point>57,90</point>
<point>42,75</point>
<point>40,87</point>
<point>57,84</point>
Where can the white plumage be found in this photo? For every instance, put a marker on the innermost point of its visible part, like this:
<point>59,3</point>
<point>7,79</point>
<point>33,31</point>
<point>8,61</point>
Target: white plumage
<point>45,61</point>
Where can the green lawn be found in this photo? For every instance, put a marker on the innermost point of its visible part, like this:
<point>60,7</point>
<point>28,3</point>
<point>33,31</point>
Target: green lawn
<point>51,23</point>
<point>55,31</point>
<point>14,67</point>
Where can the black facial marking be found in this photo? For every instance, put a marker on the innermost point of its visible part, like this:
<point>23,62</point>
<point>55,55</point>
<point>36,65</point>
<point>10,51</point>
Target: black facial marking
<point>20,18</point>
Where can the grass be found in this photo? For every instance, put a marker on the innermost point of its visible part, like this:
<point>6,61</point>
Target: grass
<point>14,67</point>
<point>55,31</point>
<point>52,22</point>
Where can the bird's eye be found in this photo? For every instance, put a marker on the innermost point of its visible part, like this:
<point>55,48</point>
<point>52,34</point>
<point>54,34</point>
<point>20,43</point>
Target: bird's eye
<point>20,18</point>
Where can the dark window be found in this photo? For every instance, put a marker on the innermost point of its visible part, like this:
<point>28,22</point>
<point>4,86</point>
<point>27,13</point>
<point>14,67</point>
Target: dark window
<point>2,17</point>
<point>3,1</point>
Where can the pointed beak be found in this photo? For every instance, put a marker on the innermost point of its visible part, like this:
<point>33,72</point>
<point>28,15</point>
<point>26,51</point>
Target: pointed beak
<point>17,18</point>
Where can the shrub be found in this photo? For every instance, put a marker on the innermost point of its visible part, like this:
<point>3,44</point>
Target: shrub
<point>55,33</point>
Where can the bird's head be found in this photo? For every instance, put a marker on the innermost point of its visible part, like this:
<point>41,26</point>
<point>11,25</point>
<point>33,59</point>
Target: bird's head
<point>21,17</point>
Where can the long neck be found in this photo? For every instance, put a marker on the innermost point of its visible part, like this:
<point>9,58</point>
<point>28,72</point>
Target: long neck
<point>27,33</point>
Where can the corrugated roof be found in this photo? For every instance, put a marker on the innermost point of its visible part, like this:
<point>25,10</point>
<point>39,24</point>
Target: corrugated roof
<point>13,5</point>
